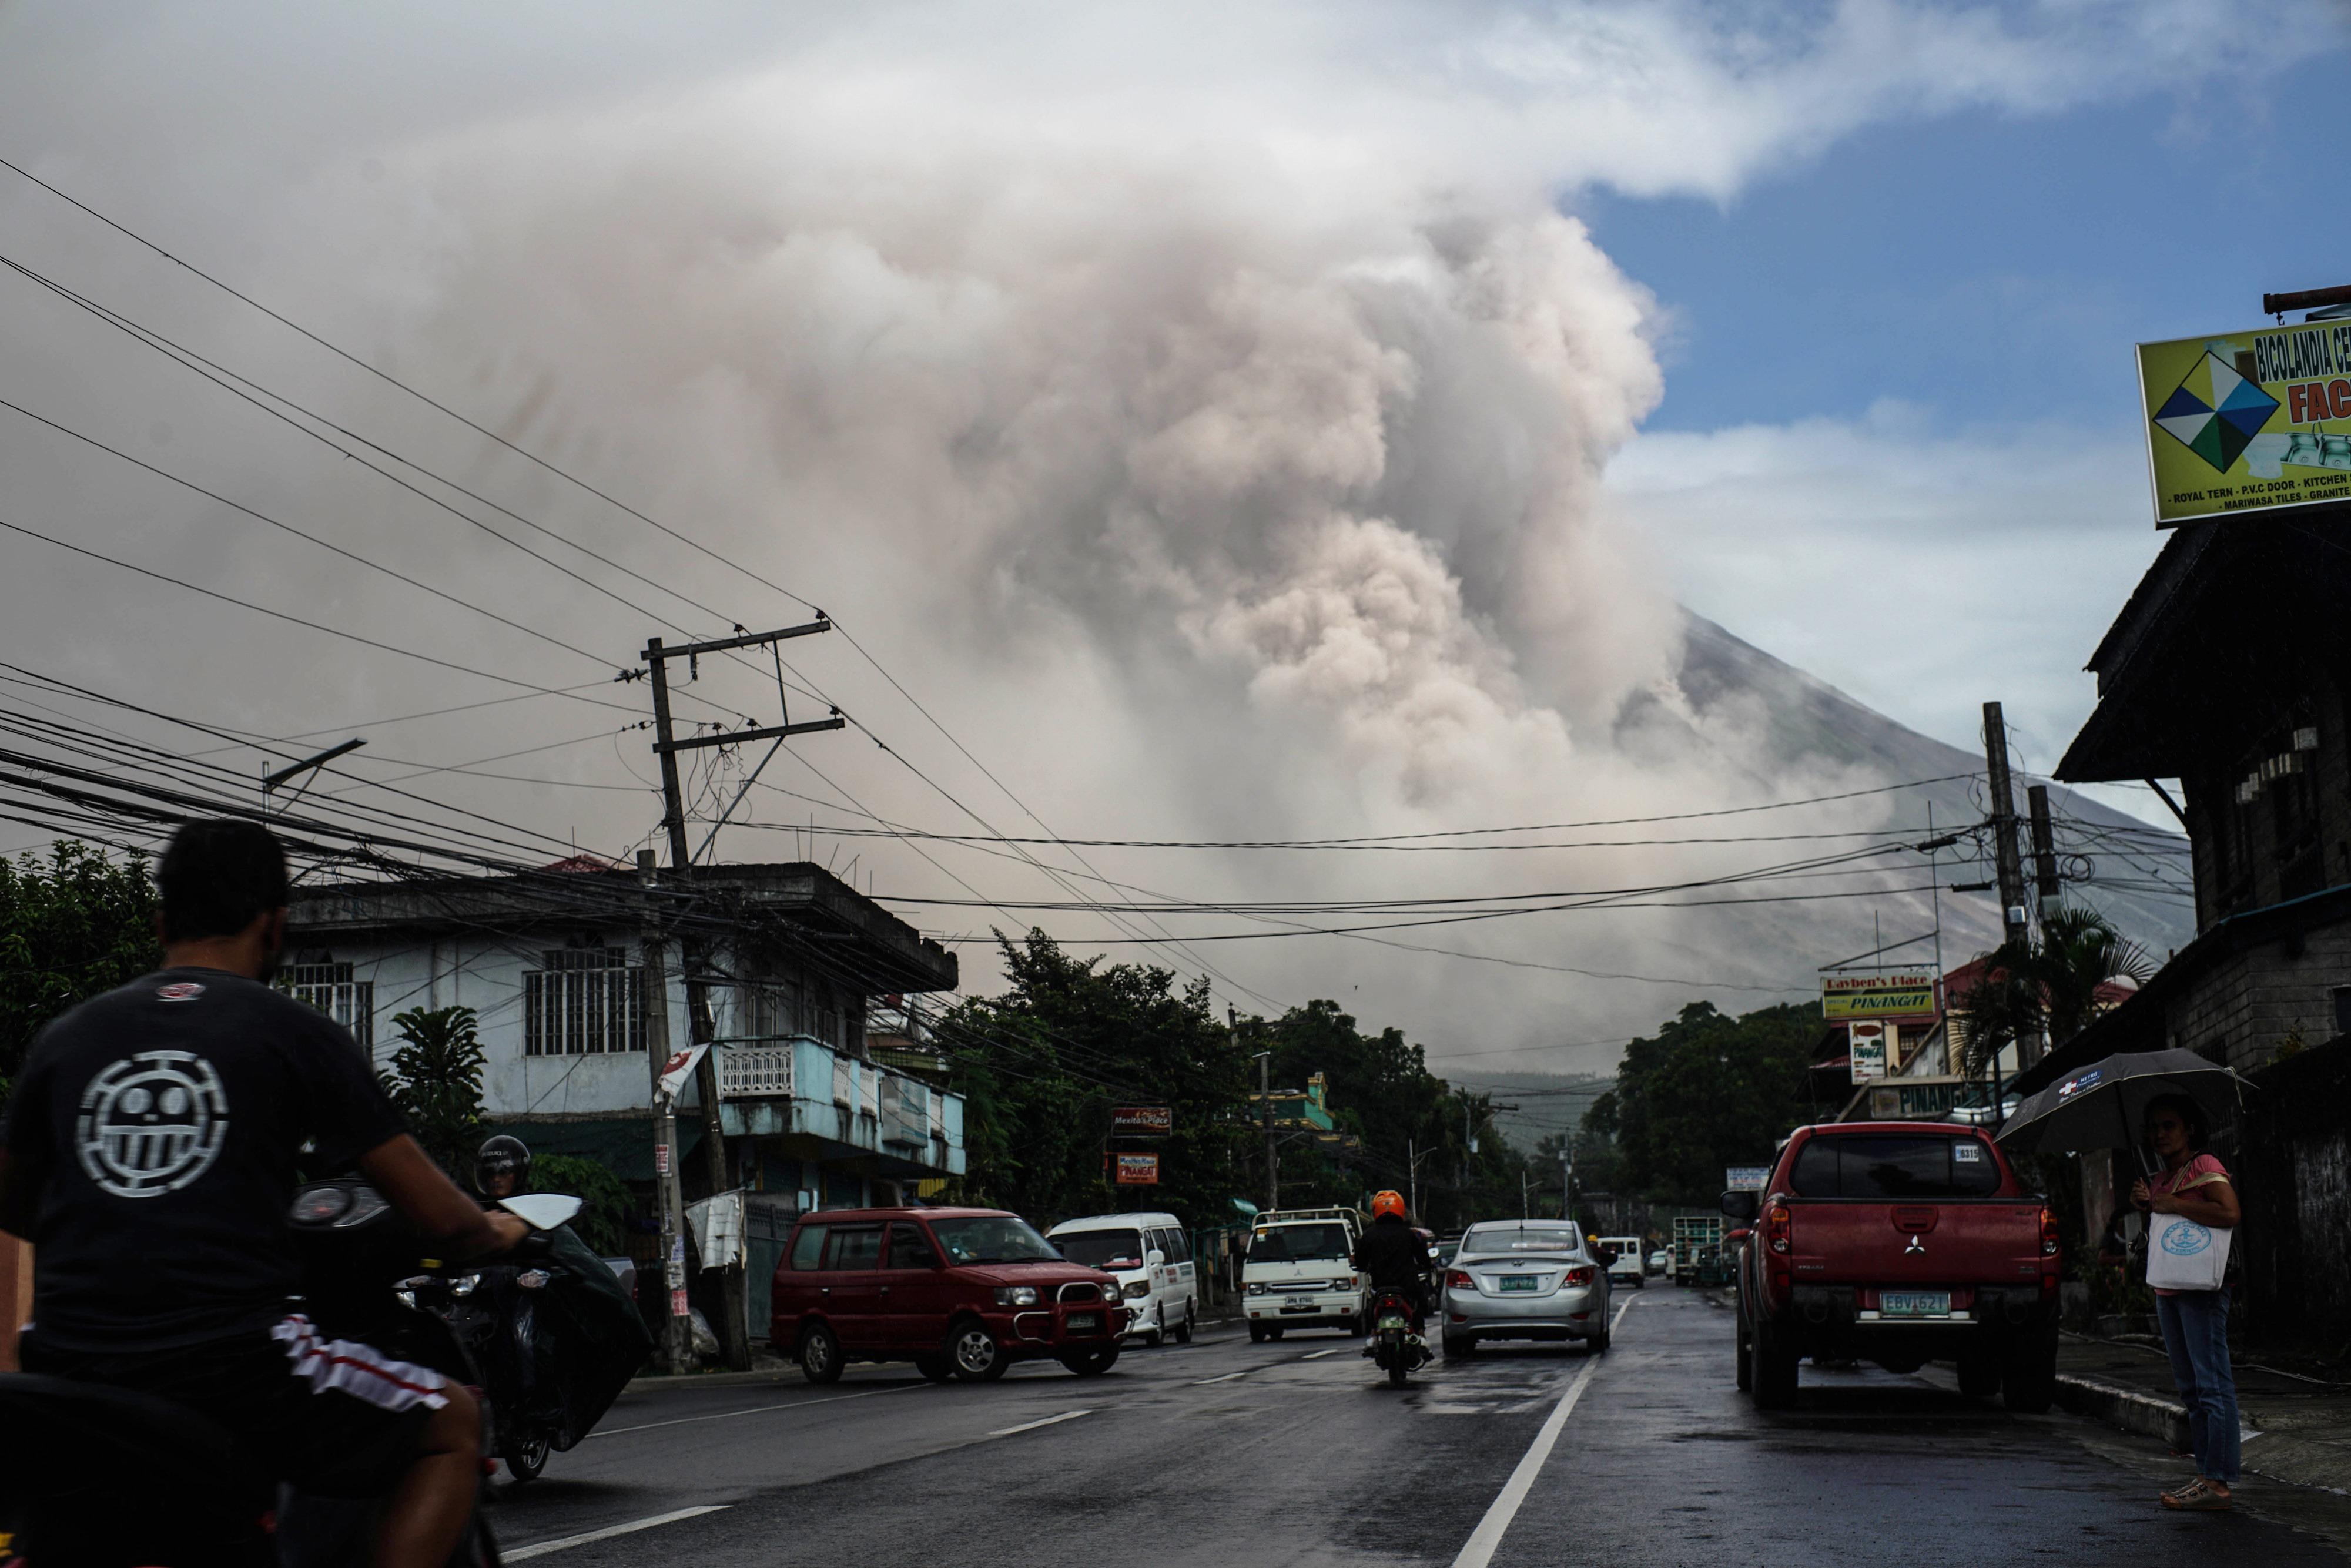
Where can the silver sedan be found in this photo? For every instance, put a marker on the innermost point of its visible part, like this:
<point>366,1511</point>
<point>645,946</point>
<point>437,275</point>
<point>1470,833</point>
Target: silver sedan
<point>1524,1279</point>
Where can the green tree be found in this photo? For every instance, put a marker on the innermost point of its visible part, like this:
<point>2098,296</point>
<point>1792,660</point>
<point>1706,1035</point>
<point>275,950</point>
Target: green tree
<point>2047,984</point>
<point>1708,1091</point>
<point>1042,1066</point>
<point>73,923</point>
<point>603,1222</point>
<point>436,1079</point>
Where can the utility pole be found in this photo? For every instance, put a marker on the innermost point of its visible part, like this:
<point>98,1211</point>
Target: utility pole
<point>2008,865</point>
<point>676,1345</point>
<point>1272,1160</point>
<point>1412,1168</point>
<point>2045,848</point>
<point>732,1329</point>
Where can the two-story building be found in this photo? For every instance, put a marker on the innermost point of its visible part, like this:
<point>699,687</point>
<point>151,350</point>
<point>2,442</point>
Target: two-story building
<point>553,965</point>
<point>2228,670</point>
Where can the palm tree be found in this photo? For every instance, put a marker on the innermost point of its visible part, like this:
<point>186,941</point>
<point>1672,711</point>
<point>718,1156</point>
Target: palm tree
<point>2029,988</point>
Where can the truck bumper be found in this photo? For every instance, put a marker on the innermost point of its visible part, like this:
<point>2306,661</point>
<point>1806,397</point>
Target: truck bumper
<point>1829,1320</point>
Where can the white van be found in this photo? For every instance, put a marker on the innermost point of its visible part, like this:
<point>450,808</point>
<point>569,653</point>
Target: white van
<point>1152,1257</point>
<point>1300,1272</point>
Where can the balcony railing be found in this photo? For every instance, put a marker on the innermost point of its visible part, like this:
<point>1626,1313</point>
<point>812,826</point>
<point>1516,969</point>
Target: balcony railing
<point>754,1071</point>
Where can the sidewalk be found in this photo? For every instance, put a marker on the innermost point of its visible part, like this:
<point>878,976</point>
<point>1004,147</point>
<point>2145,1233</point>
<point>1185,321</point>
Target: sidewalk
<point>2296,1430</point>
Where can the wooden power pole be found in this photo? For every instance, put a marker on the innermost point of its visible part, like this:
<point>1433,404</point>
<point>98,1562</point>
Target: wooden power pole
<point>2007,863</point>
<point>676,1345</point>
<point>732,1329</point>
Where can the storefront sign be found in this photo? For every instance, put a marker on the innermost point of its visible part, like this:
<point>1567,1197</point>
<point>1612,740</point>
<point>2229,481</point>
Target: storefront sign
<point>1138,1170</point>
<point>1143,1121</point>
<point>1745,1179</point>
<point>2253,421</point>
<point>1867,1042</point>
<point>1887,996</point>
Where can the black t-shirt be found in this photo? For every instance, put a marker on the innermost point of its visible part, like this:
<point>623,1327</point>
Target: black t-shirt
<point>154,1137</point>
<point>1393,1254</point>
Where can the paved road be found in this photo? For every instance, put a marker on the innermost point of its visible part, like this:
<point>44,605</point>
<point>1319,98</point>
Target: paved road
<point>1223,1452</point>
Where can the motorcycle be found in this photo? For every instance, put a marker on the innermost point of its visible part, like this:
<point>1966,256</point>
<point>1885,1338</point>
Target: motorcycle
<point>1394,1348</point>
<point>95,1477</point>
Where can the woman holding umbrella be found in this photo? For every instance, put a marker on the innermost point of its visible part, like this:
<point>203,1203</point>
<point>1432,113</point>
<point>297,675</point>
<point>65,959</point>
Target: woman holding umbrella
<point>2195,1186</point>
<point>2173,1099</point>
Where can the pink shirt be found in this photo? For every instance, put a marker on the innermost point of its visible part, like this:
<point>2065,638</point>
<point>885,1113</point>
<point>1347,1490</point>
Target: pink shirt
<point>2201,1171</point>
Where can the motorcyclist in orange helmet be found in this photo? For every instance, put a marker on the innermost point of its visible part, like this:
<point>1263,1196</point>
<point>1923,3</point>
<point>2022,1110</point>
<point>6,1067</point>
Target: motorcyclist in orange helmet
<point>1393,1254</point>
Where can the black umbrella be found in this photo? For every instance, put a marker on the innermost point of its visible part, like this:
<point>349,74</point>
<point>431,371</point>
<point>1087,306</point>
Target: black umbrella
<point>2104,1105</point>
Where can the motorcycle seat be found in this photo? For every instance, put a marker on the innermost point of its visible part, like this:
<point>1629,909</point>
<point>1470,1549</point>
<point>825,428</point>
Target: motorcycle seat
<point>91,1475</point>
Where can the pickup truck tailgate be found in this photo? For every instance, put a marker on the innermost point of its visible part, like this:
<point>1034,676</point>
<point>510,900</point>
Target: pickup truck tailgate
<point>1967,1241</point>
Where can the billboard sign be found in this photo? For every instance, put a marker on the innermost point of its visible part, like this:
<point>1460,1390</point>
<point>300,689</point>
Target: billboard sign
<point>1844,997</point>
<point>1745,1178</point>
<point>1142,1121</point>
<point>2251,422</point>
<point>1138,1170</point>
<point>1867,1041</point>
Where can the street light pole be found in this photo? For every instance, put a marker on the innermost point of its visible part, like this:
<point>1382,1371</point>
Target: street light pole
<point>1272,1160</point>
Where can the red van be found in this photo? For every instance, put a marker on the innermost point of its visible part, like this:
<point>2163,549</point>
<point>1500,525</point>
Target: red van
<point>961,1292</point>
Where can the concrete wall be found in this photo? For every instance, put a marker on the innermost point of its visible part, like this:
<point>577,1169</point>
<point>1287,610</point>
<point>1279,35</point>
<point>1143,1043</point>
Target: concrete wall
<point>2292,1161</point>
<point>2248,1005</point>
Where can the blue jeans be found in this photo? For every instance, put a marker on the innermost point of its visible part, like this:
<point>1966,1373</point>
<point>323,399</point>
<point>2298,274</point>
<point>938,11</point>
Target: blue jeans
<point>2196,1334</point>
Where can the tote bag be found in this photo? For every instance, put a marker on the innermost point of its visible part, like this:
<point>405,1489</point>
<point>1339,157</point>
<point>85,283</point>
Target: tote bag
<point>2183,1255</point>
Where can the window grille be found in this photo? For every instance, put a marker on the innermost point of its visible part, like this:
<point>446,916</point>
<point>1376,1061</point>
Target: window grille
<point>330,989</point>
<point>584,1001</point>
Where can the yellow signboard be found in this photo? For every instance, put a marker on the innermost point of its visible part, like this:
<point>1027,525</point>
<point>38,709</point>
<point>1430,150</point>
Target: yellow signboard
<point>2251,422</point>
<point>1844,997</point>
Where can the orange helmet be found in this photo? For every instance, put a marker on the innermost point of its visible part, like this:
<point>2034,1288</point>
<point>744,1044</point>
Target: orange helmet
<point>1386,1203</point>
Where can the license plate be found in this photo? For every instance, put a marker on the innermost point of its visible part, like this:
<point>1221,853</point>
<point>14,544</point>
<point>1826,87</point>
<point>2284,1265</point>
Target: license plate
<point>1510,1282</point>
<point>1914,1304</point>
<point>1085,1320</point>
<point>1297,1300</point>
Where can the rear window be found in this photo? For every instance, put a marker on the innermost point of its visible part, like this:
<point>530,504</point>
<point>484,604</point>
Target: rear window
<point>1504,1240</point>
<point>1895,1167</point>
<point>808,1246</point>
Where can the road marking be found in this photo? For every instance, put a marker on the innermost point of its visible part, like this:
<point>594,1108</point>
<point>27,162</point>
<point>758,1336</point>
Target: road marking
<point>1480,1552</point>
<point>1032,1426</point>
<point>756,1410</point>
<point>1228,1377</point>
<point>1319,1355</point>
<point>609,1531</point>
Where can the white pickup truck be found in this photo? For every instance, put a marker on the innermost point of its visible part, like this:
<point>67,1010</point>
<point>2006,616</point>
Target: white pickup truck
<point>1300,1273</point>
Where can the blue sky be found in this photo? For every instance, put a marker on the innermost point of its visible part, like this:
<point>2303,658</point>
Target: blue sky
<point>1995,268</point>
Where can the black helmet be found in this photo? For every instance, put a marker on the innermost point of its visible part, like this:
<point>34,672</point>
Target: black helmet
<point>499,1155</point>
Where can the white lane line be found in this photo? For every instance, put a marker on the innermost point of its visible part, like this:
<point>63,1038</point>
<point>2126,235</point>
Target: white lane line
<point>1228,1377</point>
<point>1480,1552</point>
<point>1032,1426</point>
<point>1319,1355</point>
<point>609,1531</point>
<point>756,1410</point>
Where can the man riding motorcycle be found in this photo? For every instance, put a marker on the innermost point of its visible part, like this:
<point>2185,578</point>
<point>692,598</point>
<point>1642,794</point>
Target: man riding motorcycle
<point>1395,1256</point>
<point>150,1153</point>
<point>501,1168</point>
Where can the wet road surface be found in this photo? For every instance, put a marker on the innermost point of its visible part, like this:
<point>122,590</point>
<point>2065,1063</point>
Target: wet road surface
<point>1223,1452</point>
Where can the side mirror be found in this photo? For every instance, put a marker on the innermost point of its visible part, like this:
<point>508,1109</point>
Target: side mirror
<point>1153,1258</point>
<point>1741,1204</point>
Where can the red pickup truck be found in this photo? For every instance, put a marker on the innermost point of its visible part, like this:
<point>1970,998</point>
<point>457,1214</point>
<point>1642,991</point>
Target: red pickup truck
<point>1898,1242</point>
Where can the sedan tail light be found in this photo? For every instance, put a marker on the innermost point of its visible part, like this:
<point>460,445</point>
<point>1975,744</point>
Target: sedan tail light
<point>1457,1280</point>
<point>1776,1227</point>
<point>1580,1275</point>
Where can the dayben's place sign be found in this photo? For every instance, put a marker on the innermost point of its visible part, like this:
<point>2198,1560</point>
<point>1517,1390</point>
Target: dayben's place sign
<point>1844,997</point>
<point>2248,422</point>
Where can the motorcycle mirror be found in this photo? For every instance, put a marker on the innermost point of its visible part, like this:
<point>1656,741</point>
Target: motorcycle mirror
<point>542,1210</point>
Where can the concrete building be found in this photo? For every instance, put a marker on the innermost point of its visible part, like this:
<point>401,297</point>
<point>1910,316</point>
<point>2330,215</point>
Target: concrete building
<point>552,963</point>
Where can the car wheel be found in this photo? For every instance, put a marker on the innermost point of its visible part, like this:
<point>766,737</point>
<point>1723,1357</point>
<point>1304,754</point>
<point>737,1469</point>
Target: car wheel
<point>934,1367</point>
<point>1184,1329</point>
<point>973,1353</point>
<point>1274,1332</point>
<point>1088,1363</point>
<point>1746,1352</point>
<point>1257,1332</point>
<point>1598,1343</point>
<point>819,1355</point>
<point>1459,1347</point>
<point>1775,1370</point>
<point>1979,1375</point>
